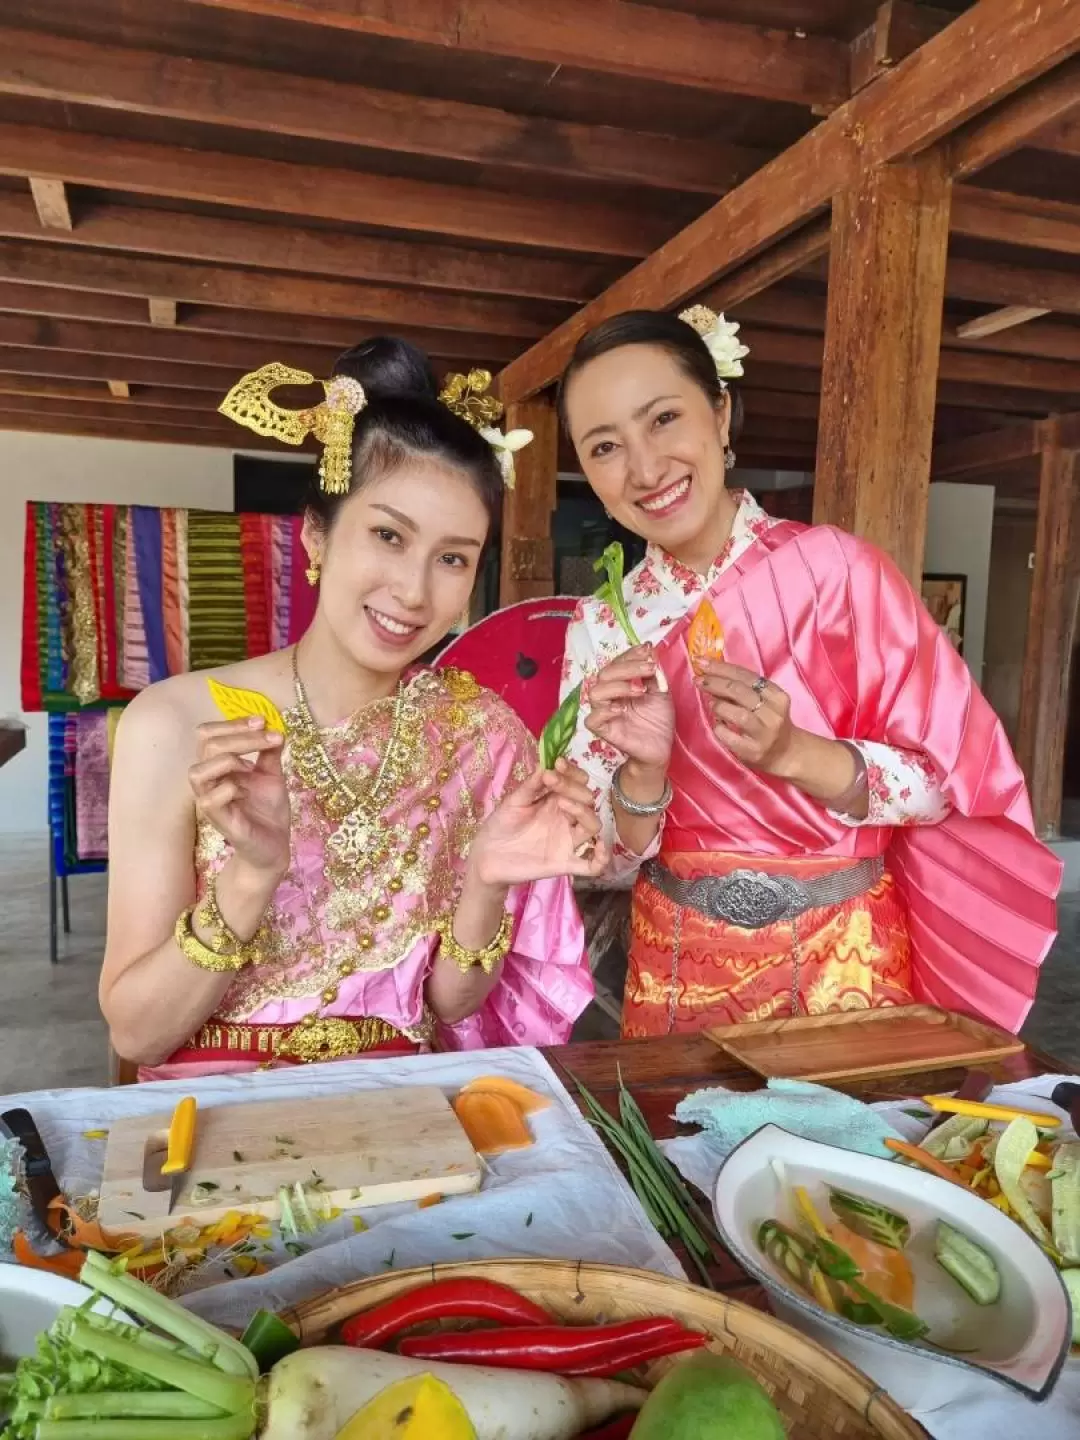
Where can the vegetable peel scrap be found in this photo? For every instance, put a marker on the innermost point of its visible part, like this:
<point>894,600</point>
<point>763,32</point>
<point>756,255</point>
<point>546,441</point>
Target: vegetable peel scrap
<point>1010,1161</point>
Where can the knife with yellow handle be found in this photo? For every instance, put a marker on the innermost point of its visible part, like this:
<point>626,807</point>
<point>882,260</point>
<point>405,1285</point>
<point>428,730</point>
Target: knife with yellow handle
<point>949,1105</point>
<point>181,1146</point>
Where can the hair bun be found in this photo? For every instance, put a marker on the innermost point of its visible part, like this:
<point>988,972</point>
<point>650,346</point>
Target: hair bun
<point>388,367</point>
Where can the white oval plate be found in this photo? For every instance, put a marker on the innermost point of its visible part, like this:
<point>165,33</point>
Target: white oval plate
<point>30,1300</point>
<point>1021,1341</point>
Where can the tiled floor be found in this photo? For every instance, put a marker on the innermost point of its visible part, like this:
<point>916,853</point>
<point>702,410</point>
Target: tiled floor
<point>51,1033</point>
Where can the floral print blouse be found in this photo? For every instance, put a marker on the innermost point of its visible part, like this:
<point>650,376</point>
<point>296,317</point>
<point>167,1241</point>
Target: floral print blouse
<point>903,787</point>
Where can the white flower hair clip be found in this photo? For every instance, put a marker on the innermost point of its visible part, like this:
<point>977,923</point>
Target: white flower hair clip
<point>721,338</point>
<point>466,396</point>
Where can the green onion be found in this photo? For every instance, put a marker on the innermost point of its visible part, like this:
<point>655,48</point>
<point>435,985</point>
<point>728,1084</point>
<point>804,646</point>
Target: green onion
<point>269,1339</point>
<point>667,1202</point>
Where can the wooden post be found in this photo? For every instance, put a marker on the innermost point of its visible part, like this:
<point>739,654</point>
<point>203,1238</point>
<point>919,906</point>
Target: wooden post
<point>879,380</point>
<point>528,559</point>
<point>1055,588</point>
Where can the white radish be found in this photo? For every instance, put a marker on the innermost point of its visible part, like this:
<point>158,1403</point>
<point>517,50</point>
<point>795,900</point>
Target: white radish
<point>311,1394</point>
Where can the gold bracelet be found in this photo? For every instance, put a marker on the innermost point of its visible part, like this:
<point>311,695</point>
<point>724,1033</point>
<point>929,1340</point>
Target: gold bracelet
<point>488,957</point>
<point>193,949</point>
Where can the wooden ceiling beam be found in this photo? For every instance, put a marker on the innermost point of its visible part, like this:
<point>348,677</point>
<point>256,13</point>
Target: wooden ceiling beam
<point>1016,219</point>
<point>898,29</point>
<point>139,372</point>
<point>789,256</point>
<point>994,284</point>
<point>394,202</point>
<point>903,113</point>
<point>186,235</point>
<point>974,453</point>
<point>122,429</point>
<point>1003,399</point>
<point>610,37</point>
<point>1064,139</point>
<point>109,410</point>
<point>142,82</point>
<point>116,274</point>
<point>280,331</point>
<point>1017,122</point>
<point>137,395</point>
<point>51,203</point>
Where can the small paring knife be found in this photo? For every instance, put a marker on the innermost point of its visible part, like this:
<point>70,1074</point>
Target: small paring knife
<point>166,1164</point>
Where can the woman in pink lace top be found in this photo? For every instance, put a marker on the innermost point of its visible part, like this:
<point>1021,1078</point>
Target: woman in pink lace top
<point>389,870</point>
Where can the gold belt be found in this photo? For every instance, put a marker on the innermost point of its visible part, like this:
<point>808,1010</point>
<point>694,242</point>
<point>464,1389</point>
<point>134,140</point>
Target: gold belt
<point>309,1041</point>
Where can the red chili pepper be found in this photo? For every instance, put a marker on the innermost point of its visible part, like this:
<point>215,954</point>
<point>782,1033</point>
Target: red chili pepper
<point>442,1299</point>
<point>566,1349</point>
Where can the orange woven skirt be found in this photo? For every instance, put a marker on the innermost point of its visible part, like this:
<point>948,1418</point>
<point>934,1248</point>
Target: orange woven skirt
<point>687,972</point>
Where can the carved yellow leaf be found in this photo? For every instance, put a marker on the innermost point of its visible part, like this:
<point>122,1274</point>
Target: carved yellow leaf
<point>705,638</point>
<point>237,704</point>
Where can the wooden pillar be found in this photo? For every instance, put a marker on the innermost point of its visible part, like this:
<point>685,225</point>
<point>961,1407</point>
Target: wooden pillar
<point>1055,588</point>
<point>528,556</point>
<point>879,380</point>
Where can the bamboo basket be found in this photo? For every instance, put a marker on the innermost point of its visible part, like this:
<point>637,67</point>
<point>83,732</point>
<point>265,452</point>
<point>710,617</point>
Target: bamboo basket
<point>820,1396</point>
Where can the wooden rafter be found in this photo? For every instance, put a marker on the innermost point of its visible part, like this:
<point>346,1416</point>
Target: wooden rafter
<point>51,203</point>
<point>989,283</point>
<point>1041,104</point>
<point>141,82</point>
<point>119,390</point>
<point>1017,219</point>
<point>162,312</point>
<point>905,111</point>
<point>425,207</point>
<point>898,28</point>
<point>612,37</point>
<point>998,320</point>
<point>115,427</point>
<point>245,289</point>
<point>294,249</point>
<point>976,454</point>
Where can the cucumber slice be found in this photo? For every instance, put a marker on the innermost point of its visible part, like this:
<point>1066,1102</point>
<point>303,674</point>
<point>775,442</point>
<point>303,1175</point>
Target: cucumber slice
<point>968,1264</point>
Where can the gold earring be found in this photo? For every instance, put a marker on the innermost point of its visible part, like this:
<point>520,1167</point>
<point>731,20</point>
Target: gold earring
<point>313,570</point>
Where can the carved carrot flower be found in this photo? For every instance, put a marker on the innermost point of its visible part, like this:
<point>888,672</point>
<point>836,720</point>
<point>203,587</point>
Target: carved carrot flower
<point>705,638</point>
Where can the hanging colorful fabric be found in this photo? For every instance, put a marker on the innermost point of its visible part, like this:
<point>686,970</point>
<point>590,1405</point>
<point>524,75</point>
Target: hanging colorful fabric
<point>183,581</point>
<point>30,668</point>
<point>92,784</point>
<point>146,523</point>
<point>136,660</point>
<point>170,594</point>
<point>253,555</point>
<point>84,683</point>
<point>215,575</point>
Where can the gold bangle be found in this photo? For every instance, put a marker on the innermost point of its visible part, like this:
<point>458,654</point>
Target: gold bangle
<point>488,957</point>
<point>193,949</point>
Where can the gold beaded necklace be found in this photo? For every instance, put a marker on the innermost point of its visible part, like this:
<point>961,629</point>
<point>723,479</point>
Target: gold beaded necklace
<point>358,811</point>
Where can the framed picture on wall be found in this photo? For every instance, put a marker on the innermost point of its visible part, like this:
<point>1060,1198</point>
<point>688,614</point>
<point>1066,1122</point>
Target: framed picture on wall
<point>945,596</point>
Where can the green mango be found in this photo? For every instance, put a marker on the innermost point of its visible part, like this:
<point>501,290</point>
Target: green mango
<point>708,1397</point>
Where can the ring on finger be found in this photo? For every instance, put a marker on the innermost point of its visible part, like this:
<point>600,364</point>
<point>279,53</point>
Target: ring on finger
<point>759,687</point>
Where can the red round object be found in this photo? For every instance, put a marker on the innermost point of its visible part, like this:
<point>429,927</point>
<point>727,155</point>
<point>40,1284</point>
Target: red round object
<point>518,653</point>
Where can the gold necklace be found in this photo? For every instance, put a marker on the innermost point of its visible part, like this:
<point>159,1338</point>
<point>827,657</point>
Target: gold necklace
<point>359,835</point>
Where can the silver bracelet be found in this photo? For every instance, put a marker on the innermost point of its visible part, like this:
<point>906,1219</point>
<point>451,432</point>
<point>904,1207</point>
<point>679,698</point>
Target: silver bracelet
<point>637,807</point>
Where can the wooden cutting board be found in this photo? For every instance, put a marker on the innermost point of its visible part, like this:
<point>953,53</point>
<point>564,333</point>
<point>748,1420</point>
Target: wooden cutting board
<point>370,1147</point>
<point>857,1044</point>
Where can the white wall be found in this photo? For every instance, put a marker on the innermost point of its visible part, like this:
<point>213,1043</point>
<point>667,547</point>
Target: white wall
<point>959,537</point>
<point>67,467</point>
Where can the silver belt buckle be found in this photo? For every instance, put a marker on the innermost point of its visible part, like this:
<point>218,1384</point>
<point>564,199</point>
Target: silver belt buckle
<point>750,898</point>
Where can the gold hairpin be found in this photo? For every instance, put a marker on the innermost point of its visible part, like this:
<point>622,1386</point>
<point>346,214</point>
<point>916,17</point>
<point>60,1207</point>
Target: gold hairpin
<point>331,421</point>
<point>467,397</point>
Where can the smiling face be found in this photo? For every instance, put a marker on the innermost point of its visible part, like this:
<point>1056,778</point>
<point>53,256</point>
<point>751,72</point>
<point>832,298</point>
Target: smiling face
<point>652,445</point>
<point>400,562</point>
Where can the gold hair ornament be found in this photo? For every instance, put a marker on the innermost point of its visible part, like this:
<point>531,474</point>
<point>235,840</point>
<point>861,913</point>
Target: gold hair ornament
<point>720,336</point>
<point>467,396</point>
<point>331,422</point>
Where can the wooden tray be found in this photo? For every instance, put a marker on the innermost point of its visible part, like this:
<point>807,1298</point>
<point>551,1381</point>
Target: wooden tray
<point>857,1044</point>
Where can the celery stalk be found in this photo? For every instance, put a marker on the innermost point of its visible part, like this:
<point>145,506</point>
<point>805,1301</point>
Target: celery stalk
<point>127,1405</point>
<point>228,1392</point>
<point>229,1427</point>
<point>139,1300</point>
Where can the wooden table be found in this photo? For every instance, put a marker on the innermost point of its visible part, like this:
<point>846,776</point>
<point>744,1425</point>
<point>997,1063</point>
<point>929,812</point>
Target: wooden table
<point>661,1072</point>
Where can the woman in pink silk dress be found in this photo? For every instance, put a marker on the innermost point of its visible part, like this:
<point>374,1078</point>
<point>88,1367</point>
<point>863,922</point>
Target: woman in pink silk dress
<point>821,811</point>
<point>388,870</point>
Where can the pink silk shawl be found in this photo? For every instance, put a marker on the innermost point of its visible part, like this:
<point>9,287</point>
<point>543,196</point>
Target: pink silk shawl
<point>831,620</point>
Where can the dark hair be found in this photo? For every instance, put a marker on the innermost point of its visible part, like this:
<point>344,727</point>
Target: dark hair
<point>668,333</point>
<point>404,417</point>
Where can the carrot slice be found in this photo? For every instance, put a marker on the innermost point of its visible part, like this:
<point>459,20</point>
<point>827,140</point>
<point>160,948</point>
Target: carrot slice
<point>921,1158</point>
<point>493,1123</point>
<point>429,1200</point>
<point>69,1262</point>
<point>705,638</point>
<point>82,1234</point>
<point>528,1101</point>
